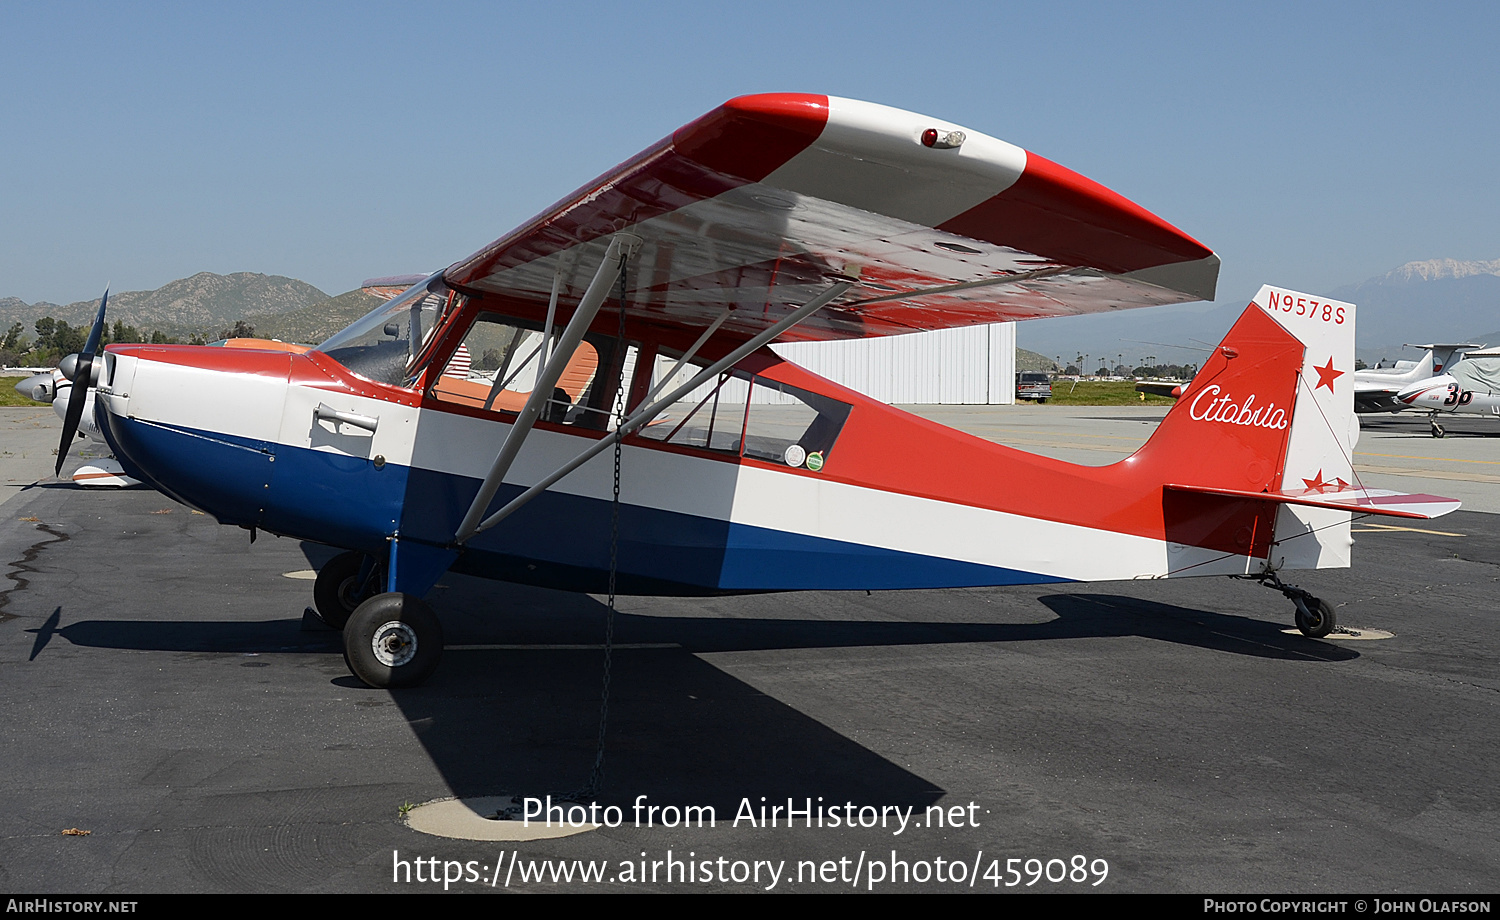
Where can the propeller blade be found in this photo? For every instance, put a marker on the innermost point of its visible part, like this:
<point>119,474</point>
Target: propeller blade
<point>91,347</point>
<point>83,375</point>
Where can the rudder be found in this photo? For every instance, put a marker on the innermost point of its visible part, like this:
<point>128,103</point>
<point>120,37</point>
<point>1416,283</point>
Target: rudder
<point>1272,409</point>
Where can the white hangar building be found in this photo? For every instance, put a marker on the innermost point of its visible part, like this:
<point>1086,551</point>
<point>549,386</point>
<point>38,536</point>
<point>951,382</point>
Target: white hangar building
<point>971,365</point>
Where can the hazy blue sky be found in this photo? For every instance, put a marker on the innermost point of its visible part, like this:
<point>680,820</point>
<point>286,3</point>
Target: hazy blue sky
<point>1310,144</point>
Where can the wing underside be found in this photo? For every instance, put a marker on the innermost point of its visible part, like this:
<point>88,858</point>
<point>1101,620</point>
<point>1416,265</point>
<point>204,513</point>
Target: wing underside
<point>762,204</point>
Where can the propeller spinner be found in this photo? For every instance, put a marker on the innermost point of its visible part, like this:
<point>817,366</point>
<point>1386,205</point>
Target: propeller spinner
<point>82,377</point>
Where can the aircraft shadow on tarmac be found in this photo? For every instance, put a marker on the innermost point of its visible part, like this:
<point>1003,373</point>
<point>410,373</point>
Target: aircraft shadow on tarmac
<point>1078,616</point>
<point>526,720</point>
<point>515,706</point>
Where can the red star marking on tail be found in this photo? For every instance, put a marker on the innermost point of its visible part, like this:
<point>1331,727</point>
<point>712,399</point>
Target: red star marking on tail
<point>1327,375</point>
<point>1317,482</point>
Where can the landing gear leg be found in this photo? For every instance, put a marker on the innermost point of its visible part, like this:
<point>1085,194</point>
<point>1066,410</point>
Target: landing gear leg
<point>1437,430</point>
<point>393,639</point>
<point>1314,616</point>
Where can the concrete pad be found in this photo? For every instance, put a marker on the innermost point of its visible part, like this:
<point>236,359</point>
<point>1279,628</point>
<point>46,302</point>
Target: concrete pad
<point>28,447</point>
<point>473,819</point>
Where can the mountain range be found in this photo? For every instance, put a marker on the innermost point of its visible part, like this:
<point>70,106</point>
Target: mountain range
<point>206,304</point>
<point>1440,300</point>
<point>1425,301</point>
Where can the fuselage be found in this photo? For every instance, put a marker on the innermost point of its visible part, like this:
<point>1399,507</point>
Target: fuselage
<point>895,501</point>
<point>1446,393</point>
<point>1376,390</point>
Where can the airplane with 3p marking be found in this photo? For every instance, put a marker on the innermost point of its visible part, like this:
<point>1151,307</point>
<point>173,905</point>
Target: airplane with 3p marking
<point>1378,389</point>
<point>1469,387</point>
<point>460,425</point>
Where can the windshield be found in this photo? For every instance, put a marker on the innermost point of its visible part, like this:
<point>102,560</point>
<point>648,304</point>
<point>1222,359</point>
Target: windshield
<point>382,344</point>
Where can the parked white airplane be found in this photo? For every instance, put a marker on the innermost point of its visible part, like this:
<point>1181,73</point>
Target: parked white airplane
<point>1376,389</point>
<point>56,387</point>
<point>1471,387</point>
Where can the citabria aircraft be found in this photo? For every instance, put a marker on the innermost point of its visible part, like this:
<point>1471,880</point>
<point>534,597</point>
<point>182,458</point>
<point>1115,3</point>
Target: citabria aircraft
<point>459,426</point>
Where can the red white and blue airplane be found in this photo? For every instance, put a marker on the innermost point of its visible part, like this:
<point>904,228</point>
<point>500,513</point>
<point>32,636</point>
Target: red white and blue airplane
<point>459,426</point>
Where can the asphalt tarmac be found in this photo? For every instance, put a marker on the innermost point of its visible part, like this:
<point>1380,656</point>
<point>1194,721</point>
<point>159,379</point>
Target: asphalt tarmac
<point>164,692</point>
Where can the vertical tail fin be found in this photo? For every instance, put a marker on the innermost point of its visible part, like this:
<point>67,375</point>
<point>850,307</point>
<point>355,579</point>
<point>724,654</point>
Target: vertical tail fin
<point>1271,410</point>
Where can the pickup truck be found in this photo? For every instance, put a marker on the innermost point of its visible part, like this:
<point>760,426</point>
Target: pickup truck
<point>1033,385</point>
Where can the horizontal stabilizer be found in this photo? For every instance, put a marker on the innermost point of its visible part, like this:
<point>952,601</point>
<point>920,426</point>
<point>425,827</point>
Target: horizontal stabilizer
<point>1358,501</point>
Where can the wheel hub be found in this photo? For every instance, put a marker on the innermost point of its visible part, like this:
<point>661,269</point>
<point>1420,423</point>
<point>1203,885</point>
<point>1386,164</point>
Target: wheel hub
<point>394,644</point>
<point>349,592</point>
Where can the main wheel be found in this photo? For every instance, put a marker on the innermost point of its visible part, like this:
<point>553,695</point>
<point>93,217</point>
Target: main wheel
<point>337,591</point>
<point>393,640</point>
<point>1315,617</point>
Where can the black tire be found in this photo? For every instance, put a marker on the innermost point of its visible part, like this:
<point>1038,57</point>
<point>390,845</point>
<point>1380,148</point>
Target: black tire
<point>337,592</point>
<point>1437,430</point>
<point>1315,619</point>
<point>393,640</point>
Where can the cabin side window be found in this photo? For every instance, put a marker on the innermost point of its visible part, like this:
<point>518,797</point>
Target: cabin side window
<point>496,367</point>
<point>745,415</point>
<point>791,425</point>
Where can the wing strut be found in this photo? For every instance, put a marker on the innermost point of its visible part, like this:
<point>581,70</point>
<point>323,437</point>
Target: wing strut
<point>641,416</point>
<point>620,248</point>
<point>547,327</point>
<point>688,355</point>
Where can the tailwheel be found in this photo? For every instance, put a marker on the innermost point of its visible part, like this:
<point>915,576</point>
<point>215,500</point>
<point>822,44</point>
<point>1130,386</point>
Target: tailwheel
<point>393,640</point>
<point>1314,616</point>
<point>340,589</point>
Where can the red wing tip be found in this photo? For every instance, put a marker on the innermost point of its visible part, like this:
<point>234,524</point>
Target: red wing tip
<point>778,106</point>
<point>750,136</point>
<point>800,113</point>
<point>1131,217</point>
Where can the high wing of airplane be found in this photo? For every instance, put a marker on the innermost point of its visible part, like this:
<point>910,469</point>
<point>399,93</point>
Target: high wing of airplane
<point>460,425</point>
<point>1376,389</point>
<point>1470,387</point>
